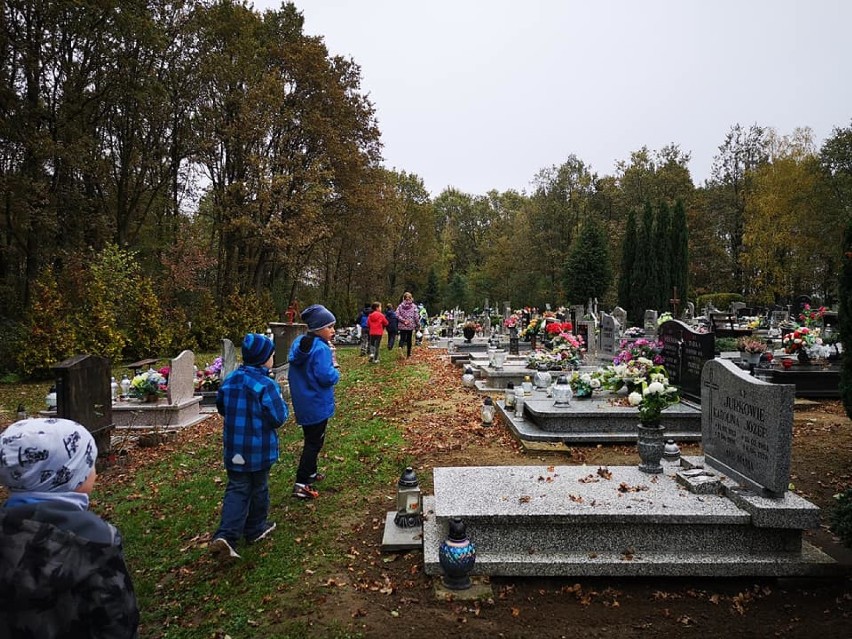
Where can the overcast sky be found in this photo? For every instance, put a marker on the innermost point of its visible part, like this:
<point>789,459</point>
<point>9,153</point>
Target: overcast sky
<point>483,94</point>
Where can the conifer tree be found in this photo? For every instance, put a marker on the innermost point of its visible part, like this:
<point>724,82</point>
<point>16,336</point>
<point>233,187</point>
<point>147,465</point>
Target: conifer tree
<point>662,257</point>
<point>643,294</point>
<point>628,258</point>
<point>587,272</point>
<point>680,254</point>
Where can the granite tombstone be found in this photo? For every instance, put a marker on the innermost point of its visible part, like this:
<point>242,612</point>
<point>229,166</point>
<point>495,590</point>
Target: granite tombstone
<point>685,352</point>
<point>747,427</point>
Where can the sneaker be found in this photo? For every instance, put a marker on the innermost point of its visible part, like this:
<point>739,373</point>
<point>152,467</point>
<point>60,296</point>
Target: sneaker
<point>317,477</point>
<point>270,526</point>
<point>223,550</point>
<point>304,491</point>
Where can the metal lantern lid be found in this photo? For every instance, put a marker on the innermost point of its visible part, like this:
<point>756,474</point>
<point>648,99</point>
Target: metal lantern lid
<point>510,385</point>
<point>562,380</point>
<point>408,479</point>
<point>488,401</point>
<point>458,530</point>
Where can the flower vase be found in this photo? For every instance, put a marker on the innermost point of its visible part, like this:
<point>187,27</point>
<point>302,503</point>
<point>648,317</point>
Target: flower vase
<point>468,334</point>
<point>151,398</point>
<point>651,446</point>
<point>803,356</point>
<point>752,358</point>
<point>533,342</point>
<point>457,556</point>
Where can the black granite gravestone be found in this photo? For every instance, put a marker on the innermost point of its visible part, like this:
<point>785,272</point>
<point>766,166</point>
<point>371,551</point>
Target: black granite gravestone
<point>83,395</point>
<point>684,354</point>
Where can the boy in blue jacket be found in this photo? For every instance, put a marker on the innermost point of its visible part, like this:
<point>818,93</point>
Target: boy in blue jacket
<point>252,407</point>
<point>312,376</point>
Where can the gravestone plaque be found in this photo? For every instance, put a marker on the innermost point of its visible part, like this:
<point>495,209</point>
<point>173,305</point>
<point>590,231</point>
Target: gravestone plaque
<point>609,334</point>
<point>747,427</point>
<point>685,352</point>
<point>620,316</point>
<point>83,395</point>
<point>650,323</point>
<point>182,378</point>
<point>229,358</point>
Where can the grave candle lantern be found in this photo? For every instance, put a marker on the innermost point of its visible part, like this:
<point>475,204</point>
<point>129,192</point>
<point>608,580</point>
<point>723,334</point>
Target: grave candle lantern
<point>125,386</point>
<point>468,379</point>
<point>509,397</point>
<point>562,391</point>
<point>487,412</point>
<point>408,500</point>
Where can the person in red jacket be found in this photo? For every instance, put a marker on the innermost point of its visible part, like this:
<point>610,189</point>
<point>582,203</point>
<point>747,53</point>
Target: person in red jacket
<point>376,323</point>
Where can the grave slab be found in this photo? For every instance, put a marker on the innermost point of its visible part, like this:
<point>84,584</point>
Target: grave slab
<point>615,521</point>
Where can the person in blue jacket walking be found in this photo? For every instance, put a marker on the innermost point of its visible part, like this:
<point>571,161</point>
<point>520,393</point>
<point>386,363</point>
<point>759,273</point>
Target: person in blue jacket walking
<point>251,405</point>
<point>312,375</point>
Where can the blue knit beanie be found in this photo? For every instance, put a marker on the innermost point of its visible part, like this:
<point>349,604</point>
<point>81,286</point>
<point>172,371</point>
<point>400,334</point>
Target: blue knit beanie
<point>317,316</point>
<point>256,349</point>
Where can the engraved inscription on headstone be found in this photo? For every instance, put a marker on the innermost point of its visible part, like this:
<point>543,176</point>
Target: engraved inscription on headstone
<point>608,334</point>
<point>747,427</point>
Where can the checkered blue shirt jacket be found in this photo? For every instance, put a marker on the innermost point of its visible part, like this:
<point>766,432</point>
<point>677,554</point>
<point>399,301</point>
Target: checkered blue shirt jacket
<point>252,407</point>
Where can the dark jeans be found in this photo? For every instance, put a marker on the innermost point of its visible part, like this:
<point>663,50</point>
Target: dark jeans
<point>245,506</point>
<point>405,340</point>
<point>391,339</point>
<point>314,439</point>
<point>375,345</point>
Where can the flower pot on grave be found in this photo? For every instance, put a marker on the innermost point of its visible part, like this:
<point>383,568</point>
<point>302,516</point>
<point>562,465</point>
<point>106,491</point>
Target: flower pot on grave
<point>803,356</point>
<point>151,398</point>
<point>583,393</point>
<point>533,342</point>
<point>651,445</point>
<point>751,358</point>
<point>468,334</point>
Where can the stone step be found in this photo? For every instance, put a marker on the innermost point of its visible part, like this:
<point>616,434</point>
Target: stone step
<point>575,520</point>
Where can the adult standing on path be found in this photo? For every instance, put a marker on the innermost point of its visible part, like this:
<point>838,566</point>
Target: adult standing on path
<point>408,318</point>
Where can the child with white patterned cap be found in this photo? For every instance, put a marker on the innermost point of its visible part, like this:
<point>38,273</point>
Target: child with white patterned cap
<point>62,568</point>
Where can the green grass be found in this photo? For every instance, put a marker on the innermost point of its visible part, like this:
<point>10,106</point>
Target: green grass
<point>166,512</point>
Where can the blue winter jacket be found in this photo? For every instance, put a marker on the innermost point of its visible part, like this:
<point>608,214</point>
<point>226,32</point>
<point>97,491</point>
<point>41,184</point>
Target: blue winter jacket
<point>252,408</point>
<point>312,377</point>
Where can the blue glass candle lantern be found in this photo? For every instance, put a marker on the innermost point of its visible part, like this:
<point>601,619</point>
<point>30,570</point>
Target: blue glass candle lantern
<point>457,556</point>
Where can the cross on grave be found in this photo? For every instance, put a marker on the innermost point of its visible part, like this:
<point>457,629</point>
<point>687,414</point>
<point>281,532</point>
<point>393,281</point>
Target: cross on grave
<point>675,301</point>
